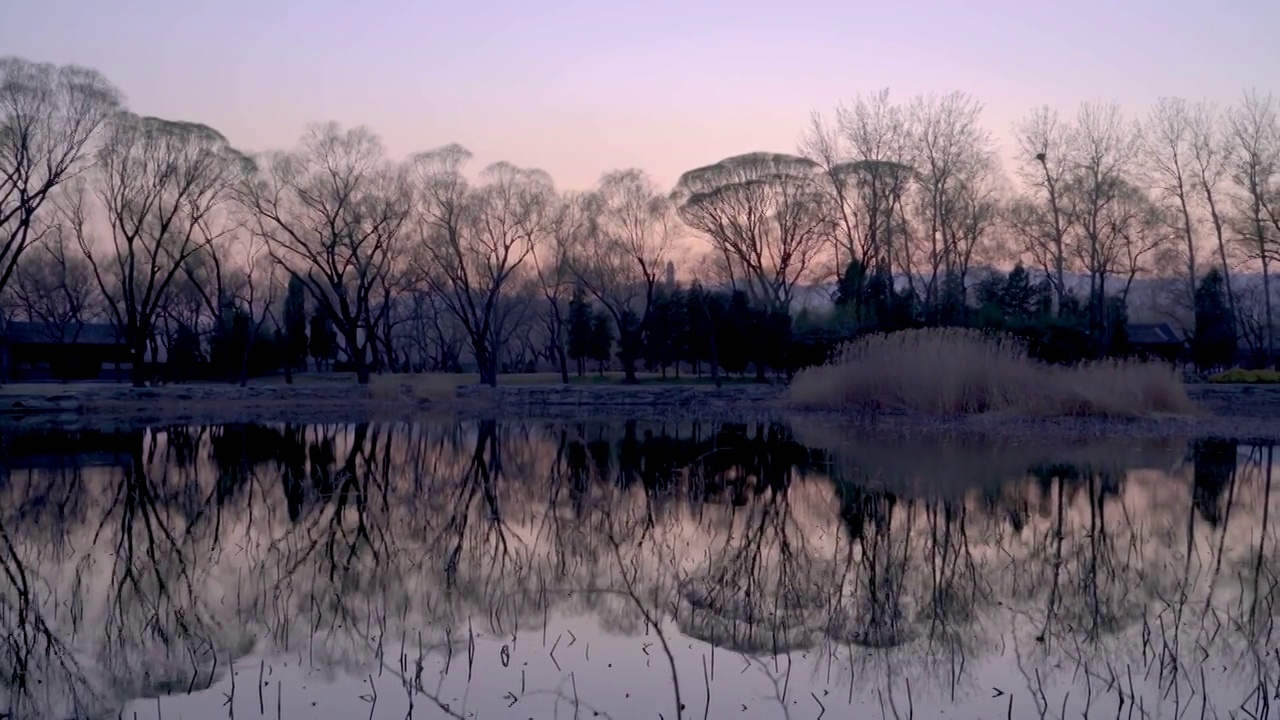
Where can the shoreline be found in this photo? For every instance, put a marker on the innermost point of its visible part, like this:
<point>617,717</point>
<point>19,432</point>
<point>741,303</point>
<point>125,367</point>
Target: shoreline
<point>1241,412</point>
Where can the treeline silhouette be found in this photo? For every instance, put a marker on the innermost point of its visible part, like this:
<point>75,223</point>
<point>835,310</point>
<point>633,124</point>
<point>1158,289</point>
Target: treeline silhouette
<point>210,263</point>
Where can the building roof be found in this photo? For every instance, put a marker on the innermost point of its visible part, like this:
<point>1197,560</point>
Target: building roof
<point>39,333</point>
<point>1152,334</point>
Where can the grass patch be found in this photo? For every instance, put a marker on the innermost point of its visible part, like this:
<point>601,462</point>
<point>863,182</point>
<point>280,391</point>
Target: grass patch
<point>1247,377</point>
<point>962,372</point>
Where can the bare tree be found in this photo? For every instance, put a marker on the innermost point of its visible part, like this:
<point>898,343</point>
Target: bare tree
<point>866,167</point>
<point>333,211</point>
<point>552,263</point>
<point>158,182</point>
<point>1168,139</point>
<point>1103,153</point>
<point>1044,219</point>
<point>1255,163</point>
<point>1133,229</point>
<point>622,254</point>
<point>48,117</point>
<point>254,289</point>
<point>473,240</point>
<point>953,157</point>
<point>53,285</point>
<point>1209,154</point>
<point>974,208</point>
<point>766,214</point>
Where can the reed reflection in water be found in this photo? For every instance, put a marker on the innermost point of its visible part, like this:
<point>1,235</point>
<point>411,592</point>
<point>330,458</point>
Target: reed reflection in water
<point>492,569</point>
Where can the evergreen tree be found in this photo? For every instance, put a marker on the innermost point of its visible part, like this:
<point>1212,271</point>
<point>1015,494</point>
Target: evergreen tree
<point>734,333</point>
<point>294,346</point>
<point>324,340</point>
<point>580,329</point>
<point>852,288</point>
<point>1018,296</point>
<point>630,342</point>
<point>677,333</point>
<point>184,353</point>
<point>952,303</point>
<point>696,343</point>
<point>664,332</point>
<point>601,339</point>
<point>1213,344</point>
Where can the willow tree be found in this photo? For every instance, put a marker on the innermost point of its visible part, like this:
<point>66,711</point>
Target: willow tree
<point>48,117</point>
<point>333,212</point>
<point>622,253</point>
<point>570,220</point>
<point>472,241</point>
<point>766,214</point>
<point>160,186</point>
<point>866,161</point>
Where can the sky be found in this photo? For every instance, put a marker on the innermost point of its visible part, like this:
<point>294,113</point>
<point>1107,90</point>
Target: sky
<point>578,88</point>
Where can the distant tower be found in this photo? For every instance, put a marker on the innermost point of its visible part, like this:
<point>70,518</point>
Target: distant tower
<point>671,275</point>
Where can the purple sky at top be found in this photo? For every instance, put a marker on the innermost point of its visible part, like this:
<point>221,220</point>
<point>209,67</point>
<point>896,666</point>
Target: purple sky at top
<point>578,88</point>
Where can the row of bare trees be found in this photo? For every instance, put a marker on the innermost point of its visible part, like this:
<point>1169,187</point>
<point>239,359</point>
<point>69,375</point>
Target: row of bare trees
<point>156,225</point>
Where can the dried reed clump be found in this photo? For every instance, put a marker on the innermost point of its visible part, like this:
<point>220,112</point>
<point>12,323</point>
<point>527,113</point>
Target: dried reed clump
<point>962,372</point>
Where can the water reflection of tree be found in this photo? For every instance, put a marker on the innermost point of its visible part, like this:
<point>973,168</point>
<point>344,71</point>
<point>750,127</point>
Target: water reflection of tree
<point>342,542</point>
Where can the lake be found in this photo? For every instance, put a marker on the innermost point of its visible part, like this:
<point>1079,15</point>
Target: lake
<point>524,569</point>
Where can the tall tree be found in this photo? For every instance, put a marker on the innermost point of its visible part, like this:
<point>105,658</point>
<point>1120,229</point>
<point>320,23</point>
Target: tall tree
<point>865,158</point>
<point>1168,148</point>
<point>1213,344</point>
<point>621,257</point>
<point>1254,132</point>
<point>952,154</point>
<point>1104,150</point>
<point>1209,155</point>
<point>323,340</point>
<point>333,212</point>
<point>473,241</point>
<point>49,115</point>
<point>552,261</point>
<point>601,345</point>
<point>766,214</point>
<point>579,330</point>
<point>295,327</point>
<point>1043,219</point>
<point>160,186</point>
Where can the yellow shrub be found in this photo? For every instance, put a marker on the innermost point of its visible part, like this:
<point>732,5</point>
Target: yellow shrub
<point>1240,375</point>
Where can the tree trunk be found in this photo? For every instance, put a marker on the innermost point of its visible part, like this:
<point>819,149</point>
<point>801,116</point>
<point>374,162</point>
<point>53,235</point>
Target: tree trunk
<point>715,361</point>
<point>137,355</point>
<point>244,361</point>
<point>486,362</point>
<point>356,354</point>
<point>1266,294</point>
<point>563,359</point>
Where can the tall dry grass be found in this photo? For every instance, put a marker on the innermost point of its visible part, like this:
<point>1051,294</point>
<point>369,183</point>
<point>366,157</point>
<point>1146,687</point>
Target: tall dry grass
<point>962,372</point>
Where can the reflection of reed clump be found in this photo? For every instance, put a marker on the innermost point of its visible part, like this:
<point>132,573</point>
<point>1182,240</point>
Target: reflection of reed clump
<point>151,569</point>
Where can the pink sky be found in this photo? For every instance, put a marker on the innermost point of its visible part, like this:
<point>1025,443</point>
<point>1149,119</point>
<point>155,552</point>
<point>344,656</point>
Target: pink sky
<point>578,88</point>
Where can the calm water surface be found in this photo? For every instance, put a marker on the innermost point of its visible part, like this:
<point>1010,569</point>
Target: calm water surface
<point>631,570</point>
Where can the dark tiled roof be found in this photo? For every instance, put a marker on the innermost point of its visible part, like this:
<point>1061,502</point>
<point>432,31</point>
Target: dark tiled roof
<point>1152,334</point>
<point>31,333</point>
